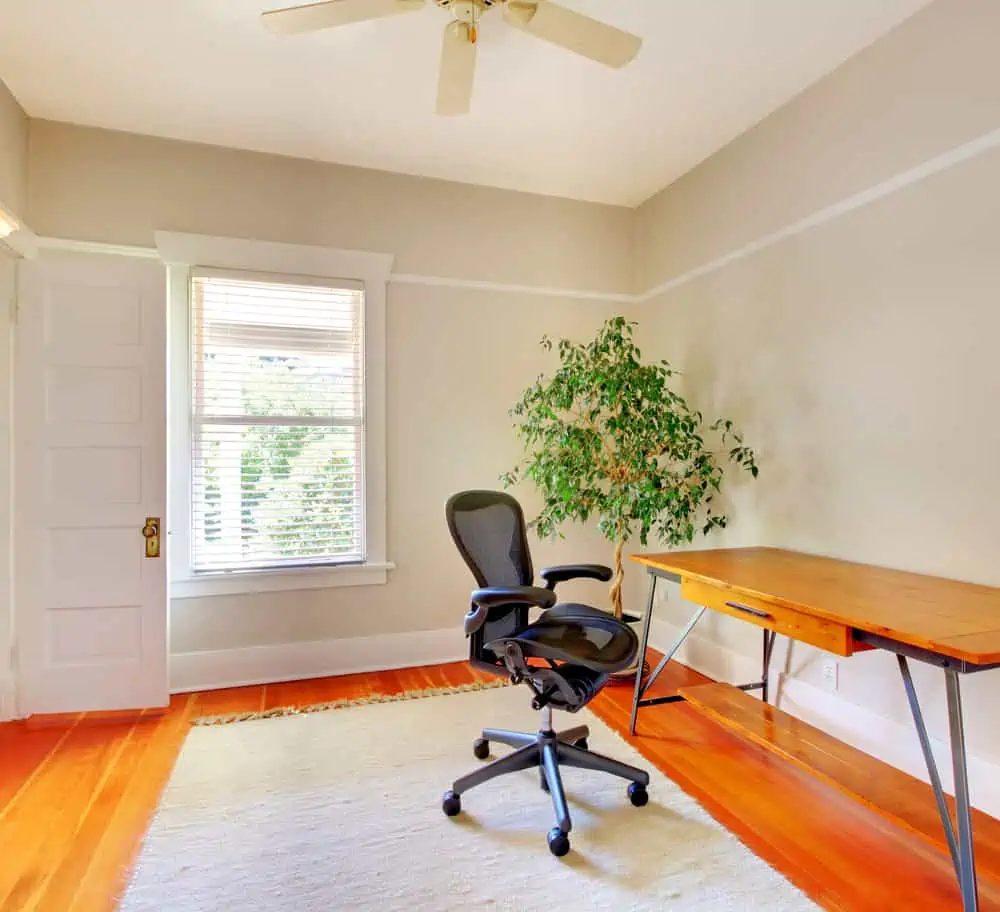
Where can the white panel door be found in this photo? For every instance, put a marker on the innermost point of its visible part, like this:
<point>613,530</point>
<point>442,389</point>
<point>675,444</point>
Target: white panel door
<point>90,468</point>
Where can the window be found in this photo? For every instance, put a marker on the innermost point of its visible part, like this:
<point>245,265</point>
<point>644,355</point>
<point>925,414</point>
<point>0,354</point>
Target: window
<point>277,416</point>
<point>277,442</point>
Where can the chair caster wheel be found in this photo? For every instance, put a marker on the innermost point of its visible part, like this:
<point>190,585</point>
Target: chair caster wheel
<point>452,804</point>
<point>558,842</point>
<point>582,744</point>
<point>481,748</point>
<point>638,795</point>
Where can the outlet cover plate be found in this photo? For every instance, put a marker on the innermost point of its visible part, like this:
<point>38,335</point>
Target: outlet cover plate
<point>830,667</point>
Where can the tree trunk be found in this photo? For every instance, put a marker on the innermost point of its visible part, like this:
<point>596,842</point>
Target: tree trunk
<point>617,580</point>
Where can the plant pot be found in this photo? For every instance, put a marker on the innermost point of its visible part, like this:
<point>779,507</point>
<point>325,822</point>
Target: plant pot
<point>628,675</point>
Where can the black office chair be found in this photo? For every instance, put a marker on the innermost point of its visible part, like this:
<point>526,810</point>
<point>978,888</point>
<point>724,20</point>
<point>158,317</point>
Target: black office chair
<point>580,647</point>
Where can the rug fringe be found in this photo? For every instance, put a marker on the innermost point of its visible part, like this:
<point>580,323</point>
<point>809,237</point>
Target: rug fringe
<point>278,711</point>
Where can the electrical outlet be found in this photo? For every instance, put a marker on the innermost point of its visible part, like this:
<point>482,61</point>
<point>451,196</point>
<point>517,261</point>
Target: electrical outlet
<point>830,667</point>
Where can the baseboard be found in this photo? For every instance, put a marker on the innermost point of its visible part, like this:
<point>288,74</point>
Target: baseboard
<point>213,669</point>
<point>889,740</point>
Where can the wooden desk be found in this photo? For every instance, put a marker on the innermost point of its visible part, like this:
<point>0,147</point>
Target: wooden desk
<point>844,608</point>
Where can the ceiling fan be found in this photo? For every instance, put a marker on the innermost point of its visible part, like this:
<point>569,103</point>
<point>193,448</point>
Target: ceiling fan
<point>542,18</point>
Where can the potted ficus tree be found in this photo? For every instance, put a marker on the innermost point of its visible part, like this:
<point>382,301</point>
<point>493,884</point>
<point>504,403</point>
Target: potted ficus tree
<point>607,439</point>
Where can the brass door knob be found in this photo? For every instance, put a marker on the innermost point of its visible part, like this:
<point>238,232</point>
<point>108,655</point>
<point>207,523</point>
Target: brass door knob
<point>151,532</point>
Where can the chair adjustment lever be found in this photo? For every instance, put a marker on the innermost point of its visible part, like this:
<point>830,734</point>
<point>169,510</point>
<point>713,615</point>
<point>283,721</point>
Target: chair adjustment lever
<point>544,698</point>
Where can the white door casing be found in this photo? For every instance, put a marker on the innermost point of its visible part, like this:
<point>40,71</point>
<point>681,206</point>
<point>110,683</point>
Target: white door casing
<point>90,467</point>
<point>8,288</point>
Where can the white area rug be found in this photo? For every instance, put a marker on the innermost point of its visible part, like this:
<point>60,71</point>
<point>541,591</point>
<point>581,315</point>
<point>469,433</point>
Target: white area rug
<point>342,810</point>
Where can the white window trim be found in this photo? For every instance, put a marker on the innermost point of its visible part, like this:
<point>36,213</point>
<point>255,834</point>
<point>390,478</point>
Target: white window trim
<point>180,253</point>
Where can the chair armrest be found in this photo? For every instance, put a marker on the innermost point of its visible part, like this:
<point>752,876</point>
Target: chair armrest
<point>533,596</point>
<point>555,575</point>
<point>484,599</point>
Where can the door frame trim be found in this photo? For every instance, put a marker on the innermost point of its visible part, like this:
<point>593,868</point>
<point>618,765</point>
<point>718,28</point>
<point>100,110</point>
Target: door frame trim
<point>8,629</point>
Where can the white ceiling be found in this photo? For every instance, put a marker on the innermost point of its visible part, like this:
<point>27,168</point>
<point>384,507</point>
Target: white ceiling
<point>543,120</point>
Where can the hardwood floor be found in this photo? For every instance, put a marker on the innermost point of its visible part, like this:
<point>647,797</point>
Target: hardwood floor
<point>889,791</point>
<point>77,793</point>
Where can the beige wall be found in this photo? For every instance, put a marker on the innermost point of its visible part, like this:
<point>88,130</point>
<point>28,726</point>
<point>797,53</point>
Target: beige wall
<point>458,361</point>
<point>99,185</point>
<point>458,358</point>
<point>13,154</point>
<point>926,87</point>
<point>859,355</point>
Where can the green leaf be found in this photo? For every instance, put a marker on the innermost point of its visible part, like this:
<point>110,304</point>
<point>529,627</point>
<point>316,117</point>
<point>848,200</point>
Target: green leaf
<point>607,439</point>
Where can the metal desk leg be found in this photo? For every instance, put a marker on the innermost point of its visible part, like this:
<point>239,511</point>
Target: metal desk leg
<point>960,847</point>
<point>642,687</point>
<point>932,770</point>
<point>672,651</point>
<point>769,637</point>
<point>643,643</point>
<point>963,809</point>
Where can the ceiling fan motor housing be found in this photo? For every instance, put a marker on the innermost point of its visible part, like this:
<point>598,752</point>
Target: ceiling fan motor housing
<point>467,10</point>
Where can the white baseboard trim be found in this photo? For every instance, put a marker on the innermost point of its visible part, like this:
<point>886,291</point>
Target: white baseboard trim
<point>889,740</point>
<point>212,669</point>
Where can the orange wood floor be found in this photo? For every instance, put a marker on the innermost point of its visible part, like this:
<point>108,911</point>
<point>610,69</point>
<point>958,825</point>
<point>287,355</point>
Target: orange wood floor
<point>77,793</point>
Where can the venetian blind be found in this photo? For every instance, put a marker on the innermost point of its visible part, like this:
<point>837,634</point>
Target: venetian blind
<point>277,422</point>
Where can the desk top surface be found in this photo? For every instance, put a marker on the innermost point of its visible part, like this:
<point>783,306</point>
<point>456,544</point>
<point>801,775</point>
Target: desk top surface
<point>948,617</point>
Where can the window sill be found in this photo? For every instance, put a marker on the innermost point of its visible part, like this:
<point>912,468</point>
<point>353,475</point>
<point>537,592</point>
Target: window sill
<point>255,581</point>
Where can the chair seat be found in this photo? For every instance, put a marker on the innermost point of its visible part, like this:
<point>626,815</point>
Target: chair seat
<point>562,609</point>
<point>577,635</point>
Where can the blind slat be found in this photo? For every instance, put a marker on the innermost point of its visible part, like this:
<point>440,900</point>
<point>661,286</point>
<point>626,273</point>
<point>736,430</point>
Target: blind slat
<point>277,422</point>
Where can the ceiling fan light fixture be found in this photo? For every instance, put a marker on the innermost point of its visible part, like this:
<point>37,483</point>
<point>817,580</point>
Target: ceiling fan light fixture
<point>8,224</point>
<point>467,11</point>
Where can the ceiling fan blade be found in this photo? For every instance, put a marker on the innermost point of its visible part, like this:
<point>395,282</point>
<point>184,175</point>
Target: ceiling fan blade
<point>314,16</point>
<point>574,31</point>
<point>458,70</point>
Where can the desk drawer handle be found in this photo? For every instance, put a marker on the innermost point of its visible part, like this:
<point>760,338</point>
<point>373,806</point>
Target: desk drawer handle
<point>746,609</point>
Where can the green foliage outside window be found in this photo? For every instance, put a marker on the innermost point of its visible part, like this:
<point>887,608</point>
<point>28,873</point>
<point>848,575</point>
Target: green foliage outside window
<point>297,482</point>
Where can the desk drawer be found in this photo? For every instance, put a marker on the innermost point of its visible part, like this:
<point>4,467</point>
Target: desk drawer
<point>796,625</point>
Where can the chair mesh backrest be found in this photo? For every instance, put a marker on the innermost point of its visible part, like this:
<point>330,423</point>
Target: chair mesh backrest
<point>488,528</point>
